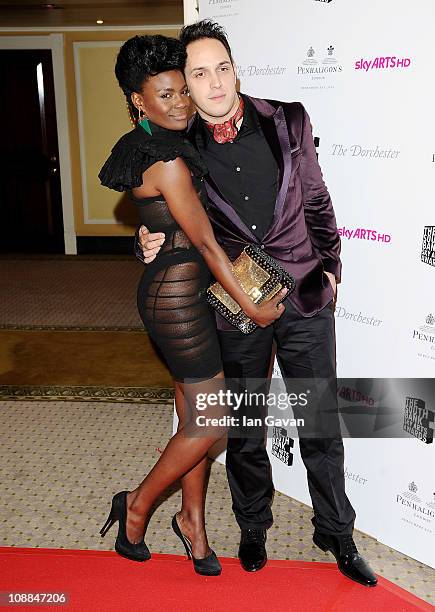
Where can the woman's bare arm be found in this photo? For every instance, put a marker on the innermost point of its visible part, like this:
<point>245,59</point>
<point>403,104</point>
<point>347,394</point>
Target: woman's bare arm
<point>173,180</point>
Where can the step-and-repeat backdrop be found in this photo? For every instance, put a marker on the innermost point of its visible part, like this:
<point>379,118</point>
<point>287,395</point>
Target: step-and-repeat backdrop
<point>364,72</point>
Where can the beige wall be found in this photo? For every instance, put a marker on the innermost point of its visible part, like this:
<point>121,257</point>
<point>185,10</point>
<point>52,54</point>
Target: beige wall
<point>97,116</point>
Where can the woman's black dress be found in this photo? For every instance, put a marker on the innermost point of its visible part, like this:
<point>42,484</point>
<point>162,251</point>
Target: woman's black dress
<point>171,293</point>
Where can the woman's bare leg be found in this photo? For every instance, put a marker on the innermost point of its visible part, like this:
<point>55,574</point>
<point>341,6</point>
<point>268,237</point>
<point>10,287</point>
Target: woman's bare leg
<point>183,454</point>
<point>191,518</point>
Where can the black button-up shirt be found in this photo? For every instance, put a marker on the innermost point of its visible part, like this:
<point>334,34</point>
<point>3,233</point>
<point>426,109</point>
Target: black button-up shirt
<point>245,171</point>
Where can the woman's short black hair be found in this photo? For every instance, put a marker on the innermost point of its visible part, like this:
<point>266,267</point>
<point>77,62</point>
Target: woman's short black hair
<point>205,29</point>
<point>143,56</point>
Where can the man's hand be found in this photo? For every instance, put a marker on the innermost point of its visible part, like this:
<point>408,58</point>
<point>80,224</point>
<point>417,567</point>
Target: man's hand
<point>333,282</point>
<point>150,243</point>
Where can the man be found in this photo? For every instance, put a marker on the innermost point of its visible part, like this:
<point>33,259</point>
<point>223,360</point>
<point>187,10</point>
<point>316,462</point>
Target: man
<point>265,187</point>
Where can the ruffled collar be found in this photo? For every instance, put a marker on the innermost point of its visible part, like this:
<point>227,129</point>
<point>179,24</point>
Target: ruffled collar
<point>165,144</point>
<point>137,150</point>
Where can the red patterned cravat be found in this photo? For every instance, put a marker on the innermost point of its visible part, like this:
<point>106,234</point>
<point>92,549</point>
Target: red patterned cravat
<point>227,131</point>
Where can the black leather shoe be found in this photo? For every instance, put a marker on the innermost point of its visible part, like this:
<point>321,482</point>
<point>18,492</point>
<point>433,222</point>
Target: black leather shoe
<point>349,561</point>
<point>252,549</point>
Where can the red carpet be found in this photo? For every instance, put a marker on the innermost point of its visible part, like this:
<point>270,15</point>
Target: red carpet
<point>104,581</point>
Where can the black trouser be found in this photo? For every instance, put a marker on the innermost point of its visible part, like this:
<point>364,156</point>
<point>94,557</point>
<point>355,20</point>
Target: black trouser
<point>305,349</point>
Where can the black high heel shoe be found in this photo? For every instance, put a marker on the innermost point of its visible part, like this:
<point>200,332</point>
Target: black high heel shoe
<point>118,512</point>
<point>208,566</point>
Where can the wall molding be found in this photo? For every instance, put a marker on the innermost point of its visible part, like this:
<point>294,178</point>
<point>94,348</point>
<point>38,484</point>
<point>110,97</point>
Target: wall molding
<point>130,28</point>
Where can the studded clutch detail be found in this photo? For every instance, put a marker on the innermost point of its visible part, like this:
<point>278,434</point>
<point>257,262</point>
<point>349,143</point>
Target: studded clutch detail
<point>260,276</point>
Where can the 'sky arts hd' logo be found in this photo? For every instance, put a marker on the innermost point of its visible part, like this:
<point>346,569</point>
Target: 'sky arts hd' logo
<point>361,233</point>
<point>418,420</point>
<point>428,245</point>
<point>282,445</point>
<point>382,63</point>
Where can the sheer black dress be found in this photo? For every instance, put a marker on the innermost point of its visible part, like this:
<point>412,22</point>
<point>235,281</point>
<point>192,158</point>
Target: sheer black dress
<point>171,293</point>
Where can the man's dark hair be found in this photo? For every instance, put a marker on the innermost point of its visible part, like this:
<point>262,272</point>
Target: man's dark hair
<point>205,29</point>
<point>143,56</point>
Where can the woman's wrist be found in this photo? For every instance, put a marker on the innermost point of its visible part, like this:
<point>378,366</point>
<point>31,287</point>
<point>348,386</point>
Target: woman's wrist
<point>251,309</point>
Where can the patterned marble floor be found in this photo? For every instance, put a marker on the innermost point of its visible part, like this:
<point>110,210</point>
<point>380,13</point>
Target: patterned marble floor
<point>61,462</point>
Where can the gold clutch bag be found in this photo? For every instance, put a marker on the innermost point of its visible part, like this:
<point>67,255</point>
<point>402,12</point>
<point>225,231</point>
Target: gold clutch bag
<point>260,277</point>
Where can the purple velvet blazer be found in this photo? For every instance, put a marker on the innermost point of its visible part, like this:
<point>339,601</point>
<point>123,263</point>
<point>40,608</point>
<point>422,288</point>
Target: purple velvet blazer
<point>303,236</point>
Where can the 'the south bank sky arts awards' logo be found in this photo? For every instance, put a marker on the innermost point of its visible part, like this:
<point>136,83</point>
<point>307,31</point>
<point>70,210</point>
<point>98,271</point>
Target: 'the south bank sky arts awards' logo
<point>418,420</point>
<point>282,445</point>
<point>428,245</point>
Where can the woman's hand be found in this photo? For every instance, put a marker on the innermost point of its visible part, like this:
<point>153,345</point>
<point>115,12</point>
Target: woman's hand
<point>173,180</point>
<point>266,313</point>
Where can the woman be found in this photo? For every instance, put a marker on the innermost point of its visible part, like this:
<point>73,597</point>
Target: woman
<point>162,171</point>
